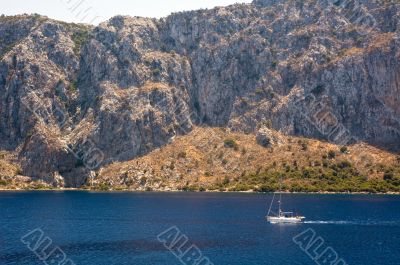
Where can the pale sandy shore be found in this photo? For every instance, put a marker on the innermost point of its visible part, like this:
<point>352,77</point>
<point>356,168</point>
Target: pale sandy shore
<point>180,191</point>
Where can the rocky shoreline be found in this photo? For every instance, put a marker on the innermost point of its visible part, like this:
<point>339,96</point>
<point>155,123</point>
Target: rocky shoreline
<point>180,191</point>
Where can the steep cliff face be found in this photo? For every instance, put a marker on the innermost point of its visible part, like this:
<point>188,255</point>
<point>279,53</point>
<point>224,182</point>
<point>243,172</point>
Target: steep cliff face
<point>74,98</point>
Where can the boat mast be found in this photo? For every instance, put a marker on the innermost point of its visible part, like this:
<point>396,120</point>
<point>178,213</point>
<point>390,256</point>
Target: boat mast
<point>272,202</point>
<point>280,196</point>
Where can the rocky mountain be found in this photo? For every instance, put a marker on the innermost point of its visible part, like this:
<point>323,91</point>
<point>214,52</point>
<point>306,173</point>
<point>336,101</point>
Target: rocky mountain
<point>76,98</point>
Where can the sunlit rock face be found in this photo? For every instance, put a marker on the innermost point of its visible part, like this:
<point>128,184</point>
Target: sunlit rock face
<point>74,97</point>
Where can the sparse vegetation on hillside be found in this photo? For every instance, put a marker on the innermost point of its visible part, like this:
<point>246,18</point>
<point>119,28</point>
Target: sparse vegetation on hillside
<point>344,149</point>
<point>10,173</point>
<point>201,163</point>
<point>7,168</point>
<point>80,37</point>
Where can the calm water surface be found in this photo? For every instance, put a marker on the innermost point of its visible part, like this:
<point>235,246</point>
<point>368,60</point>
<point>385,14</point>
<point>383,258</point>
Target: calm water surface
<point>122,228</point>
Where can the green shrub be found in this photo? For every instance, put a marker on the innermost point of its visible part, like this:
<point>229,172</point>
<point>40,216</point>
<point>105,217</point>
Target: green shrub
<point>156,72</point>
<point>388,176</point>
<point>80,37</point>
<point>18,171</point>
<point>230,143</point>
<point>3,182</point>
<point>73,87</point>
<point>265,142</point>
<point>226,181</point>
<point>344,164</point>
<point>259,91</point>
<point>104,187</point>
<point>318,89</point>
<point>190,188</point>
<point>304,146</point>
<point>182,154</point>
<point>40,186</point>
<point>244,151</point>
<point>143,181</point>
<point>265,188</point>
<point>79,163</point>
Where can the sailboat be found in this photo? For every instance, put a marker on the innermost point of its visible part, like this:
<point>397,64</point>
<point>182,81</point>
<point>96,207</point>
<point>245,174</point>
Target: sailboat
<point>281,216</point>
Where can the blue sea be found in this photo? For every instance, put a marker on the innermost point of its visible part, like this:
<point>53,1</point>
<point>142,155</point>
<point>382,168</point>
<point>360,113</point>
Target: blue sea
<point>195,228</point>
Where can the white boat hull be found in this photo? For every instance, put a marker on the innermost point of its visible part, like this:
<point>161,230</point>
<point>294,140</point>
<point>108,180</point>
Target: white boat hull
<point>277,220</point>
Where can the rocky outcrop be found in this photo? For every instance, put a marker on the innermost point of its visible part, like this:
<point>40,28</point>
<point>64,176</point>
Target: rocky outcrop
<point>75,98</point>
<point>268,138</point>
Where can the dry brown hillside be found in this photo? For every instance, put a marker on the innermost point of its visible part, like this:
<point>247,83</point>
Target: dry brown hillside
<point>12,178</point>
<point>10,171</point>
<point>215,158</point>
<point>6,167</point>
